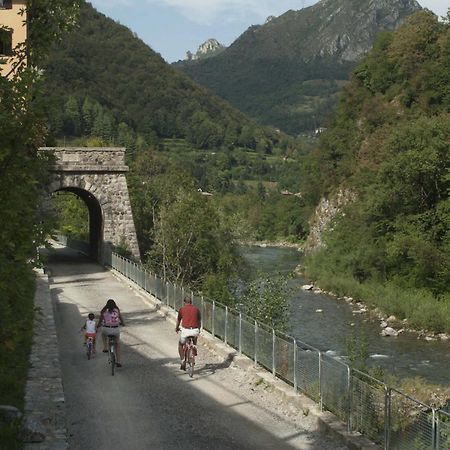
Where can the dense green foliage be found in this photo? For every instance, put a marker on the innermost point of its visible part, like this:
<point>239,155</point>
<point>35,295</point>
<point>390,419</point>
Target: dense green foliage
<point>104,82</point>
<point>182,236</point>
<point>266,299</point>
<point>71,216</point>
<point>22,173</point>
<point>390,143</point>
<point>289,72</point>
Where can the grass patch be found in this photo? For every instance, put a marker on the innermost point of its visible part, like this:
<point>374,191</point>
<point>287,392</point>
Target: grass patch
<point>14,354</point>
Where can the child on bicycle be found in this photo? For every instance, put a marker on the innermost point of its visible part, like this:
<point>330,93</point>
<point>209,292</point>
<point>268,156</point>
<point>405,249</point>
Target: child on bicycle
<point>90,330</point>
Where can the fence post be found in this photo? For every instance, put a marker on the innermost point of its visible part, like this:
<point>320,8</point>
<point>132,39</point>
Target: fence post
<point>387,417</point>
<point>240,333</point>
<point>213,317</point>
<point>273,352</point>
<point>433,439</point>
<point>350,398</point>
<point>320,381</point>
<point>226,325</point>
<point>203,313</point>
<point>295,366</point>
<point>256,343</point>
<point>438,432</point>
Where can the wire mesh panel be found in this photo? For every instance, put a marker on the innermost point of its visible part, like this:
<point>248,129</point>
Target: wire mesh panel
<point>248,338</point>
<point>233,328</point>
<point>151,283</point>
<point>442,430</point>
<point>197,301</point>
<point>367,401</point>
<point>307,371</point>
<point>207,318</point>
<point>411,424</point>
<point>284,358</point>
<point>264,347</point>
<point>178,297</point>
<point>219,321</point>
<point>335,387</point>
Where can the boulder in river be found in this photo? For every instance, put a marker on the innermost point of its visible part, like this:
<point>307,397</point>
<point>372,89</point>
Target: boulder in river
<point>388,331</point>
<point>307,287</point>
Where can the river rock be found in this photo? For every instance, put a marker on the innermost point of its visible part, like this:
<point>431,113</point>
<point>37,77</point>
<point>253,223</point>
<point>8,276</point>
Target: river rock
<point>9,413</point>
<point>383,324</point>
<point>388,331</point>
<point>392,319</point>
<point>443,337</point>
<point>319,310</point>
<point>307,287</point>
<point>32,431</point>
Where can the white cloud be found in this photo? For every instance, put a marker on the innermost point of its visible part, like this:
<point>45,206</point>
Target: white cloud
<point>209,11</point>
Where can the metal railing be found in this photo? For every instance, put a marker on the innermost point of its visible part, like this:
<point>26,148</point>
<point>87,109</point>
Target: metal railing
<point>384,415</point>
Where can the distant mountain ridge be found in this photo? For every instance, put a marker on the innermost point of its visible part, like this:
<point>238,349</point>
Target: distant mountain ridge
<point>287,72</point>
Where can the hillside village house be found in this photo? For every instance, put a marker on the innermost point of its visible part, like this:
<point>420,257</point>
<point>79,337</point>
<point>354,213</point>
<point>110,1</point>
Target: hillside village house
<point>13,31</point>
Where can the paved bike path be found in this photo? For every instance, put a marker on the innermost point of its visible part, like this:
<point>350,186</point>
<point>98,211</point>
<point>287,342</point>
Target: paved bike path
<point>150,403</point>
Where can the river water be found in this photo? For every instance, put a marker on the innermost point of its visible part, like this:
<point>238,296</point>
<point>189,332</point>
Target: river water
<point>330,330</point>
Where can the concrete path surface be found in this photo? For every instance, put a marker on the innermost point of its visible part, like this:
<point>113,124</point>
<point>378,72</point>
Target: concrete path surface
<point>150,403</point>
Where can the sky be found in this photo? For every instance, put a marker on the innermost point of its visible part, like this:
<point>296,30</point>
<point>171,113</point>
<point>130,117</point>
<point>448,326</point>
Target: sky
<point>172,27</point>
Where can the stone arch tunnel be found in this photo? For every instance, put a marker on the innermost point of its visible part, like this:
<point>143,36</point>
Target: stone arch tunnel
<point>97,176</point>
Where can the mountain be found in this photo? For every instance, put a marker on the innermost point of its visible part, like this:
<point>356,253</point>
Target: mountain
<point>211,47</point>
<point>104,82</point>
<point>288,72</point>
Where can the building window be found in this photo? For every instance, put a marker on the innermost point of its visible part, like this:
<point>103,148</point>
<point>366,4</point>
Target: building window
<point>5,4</point>
<point>5,42</point>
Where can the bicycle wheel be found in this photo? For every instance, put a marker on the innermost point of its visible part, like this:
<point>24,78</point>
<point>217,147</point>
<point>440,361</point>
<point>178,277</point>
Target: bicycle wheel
<point>191,360</point>
<point>89,349</point>
<point>112,359</point>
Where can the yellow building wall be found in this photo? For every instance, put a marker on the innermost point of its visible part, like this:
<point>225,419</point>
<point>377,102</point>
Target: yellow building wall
<point>12,19</point>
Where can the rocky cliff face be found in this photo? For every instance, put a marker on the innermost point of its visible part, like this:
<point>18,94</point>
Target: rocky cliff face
<point>324,214</point>
<point>209,48</point>
<point>347,29</point>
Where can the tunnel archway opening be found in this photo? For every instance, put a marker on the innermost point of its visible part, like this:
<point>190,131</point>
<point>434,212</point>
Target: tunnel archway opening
<point>93,231</point>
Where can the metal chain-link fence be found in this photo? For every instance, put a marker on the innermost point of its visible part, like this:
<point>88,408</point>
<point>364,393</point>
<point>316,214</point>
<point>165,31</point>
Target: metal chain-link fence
<point>384,415</point>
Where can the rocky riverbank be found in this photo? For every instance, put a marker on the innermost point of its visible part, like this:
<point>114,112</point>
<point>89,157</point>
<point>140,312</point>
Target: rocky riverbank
<point>390,326</point>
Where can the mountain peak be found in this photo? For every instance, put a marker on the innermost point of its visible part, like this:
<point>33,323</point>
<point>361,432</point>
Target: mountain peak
<point>209,48</point>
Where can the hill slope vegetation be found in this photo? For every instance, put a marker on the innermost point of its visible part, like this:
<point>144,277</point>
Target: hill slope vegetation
<point>389,143</point>
<point>103,81</point>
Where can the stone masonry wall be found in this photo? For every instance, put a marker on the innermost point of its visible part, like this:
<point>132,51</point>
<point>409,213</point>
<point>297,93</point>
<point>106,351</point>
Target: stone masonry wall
<point>45,413</point>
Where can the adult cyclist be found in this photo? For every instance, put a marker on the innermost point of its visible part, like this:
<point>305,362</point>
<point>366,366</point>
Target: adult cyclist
<point>189,323</point>
<point>110,321</point>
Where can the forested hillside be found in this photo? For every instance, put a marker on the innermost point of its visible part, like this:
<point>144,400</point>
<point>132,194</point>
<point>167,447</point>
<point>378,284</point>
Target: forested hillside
<point>102,81</point>
<point>389,144</point>
<point>289,71</point>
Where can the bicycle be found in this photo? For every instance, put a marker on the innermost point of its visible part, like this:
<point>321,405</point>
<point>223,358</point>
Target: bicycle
<point>112,352</point>
<point>190,352</point>
<point>89,347</point>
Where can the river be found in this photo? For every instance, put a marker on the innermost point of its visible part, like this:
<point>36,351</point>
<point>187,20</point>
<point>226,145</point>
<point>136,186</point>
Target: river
<point>329,330</point>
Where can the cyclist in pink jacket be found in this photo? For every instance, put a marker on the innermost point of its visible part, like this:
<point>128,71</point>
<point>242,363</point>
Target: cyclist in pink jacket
<point>110,320</point>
